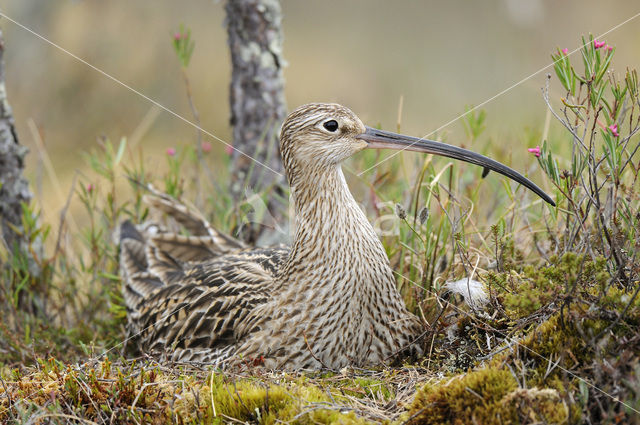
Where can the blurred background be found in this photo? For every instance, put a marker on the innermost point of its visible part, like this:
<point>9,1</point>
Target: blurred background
<point>437,56</point>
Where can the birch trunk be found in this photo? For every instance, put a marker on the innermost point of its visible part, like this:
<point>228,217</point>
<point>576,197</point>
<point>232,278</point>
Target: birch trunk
<point>257,100</point>
<point>14,188</point>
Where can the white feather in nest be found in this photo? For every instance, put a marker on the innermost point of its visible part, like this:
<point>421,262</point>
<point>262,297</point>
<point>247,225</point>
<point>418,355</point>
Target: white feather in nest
<point>471,290</point>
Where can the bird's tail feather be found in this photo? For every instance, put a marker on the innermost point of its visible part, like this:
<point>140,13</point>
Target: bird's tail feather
<point>192,220</point>
<point>139,283</point>
<point>151,256</point>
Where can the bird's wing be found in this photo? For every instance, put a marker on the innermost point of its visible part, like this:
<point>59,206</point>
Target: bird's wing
<point>152,256</point>
<point>200,311</point>
<point>191,220</point>
<point>186,293</point>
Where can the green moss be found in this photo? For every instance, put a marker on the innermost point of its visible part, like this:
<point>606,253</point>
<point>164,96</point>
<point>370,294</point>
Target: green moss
<point>559,346</point>
<point>525,292</point>
<point>511,257</point>
<point>488,396</point>
<point>616,299</point>
<point>145,394</point>
<point>369,386</point>
<point>572,343</point>
<point>569,342</point>
<point>255,401</point>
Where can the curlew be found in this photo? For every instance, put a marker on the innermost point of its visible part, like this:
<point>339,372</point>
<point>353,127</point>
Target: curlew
<point>330,300</point>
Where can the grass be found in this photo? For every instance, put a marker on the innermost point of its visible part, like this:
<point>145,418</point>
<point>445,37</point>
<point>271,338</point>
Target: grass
<point>557,343</point>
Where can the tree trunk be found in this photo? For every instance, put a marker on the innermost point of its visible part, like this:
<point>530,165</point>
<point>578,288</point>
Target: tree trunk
<point>256,95</point>
<point>14,188</point>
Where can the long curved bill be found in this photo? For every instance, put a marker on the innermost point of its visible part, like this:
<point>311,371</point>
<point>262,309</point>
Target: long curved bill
<point>379,139</point>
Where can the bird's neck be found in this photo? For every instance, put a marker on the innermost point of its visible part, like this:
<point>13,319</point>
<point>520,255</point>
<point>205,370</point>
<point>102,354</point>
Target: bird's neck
<point>332,232</point>
<point>339,271</point>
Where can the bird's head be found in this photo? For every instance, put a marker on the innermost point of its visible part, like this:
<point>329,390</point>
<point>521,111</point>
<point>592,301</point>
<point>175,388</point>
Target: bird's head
<point>317,136</point>
<point>320,135</point>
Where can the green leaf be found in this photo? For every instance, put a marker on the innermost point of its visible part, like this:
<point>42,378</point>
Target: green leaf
<point>123,144</point>
<point>109,276</point>
<point>604,66</point>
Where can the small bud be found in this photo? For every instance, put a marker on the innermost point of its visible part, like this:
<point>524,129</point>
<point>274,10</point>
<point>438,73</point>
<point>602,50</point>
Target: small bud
<point>171,151</point>
<point>206,147</point>
<point>536,151</point>
<point>90,187</point>
<point>614,130</point>
<point>228,149</point>
<point>400,212</point>
<point>598,44</point>
<point>565,51</point>
<point>423,215</point>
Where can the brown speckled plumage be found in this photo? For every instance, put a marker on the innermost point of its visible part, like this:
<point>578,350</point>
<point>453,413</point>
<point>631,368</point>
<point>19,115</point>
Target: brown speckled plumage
<point>328,301</point>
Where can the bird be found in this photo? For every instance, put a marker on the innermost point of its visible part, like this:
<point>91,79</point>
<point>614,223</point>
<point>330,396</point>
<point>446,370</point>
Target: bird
<point>328,301</point>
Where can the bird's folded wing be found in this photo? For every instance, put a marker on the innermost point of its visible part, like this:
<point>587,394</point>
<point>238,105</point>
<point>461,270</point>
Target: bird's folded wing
<point>204,307</point>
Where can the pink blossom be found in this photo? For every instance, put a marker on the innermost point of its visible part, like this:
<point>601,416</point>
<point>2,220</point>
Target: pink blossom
<point>171,151</point>
<point>565,51</point>
<point>90,187</point>
<point>609,48</point>
<point>614,130</point>
<point>228,149</point>
<point>178,36</point>
<point>598,44</point>
<point>536,151</point>
<point>206,147</point>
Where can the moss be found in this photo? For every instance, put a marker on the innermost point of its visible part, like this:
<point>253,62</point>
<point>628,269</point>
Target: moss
<point>568,340</point>
<point>533,405</point>
<point>133,393</point>
<point>488,395</point>
<point>252,400</point>
<point>525,292</point>
<point>617,299</point>
<point>376,387</point>
<point>578,341</point>
<point>511,257</point>
<point>573,327</point>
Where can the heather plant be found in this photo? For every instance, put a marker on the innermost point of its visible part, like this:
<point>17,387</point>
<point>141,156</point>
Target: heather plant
<point>598,206</point>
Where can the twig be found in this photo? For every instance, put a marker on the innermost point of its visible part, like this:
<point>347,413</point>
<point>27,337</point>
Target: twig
<point>545,96</point>
<point>65,416</point>
<point>6,393</point>
<point>63,215</point>
<point>621,315</point>
<point>418,413</point>
<point>196,118</point>
<point>213,403</point>
<point>304,334</point>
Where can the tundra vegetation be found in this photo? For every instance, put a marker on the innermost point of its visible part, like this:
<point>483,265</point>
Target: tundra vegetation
<point>558,341</point>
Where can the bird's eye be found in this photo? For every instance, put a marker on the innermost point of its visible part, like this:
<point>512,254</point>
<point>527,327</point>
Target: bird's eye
<point>331,125</point>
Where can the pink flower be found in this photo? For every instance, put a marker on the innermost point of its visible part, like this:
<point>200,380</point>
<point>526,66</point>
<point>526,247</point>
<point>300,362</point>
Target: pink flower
<point>228,149</point>
<point>565,51</point>
<point>206,147</point>
<point>609,48</point>
<point>90,188</point>
<point>171,151</point>
<point>598,44</point>
<point>177,36</point>
<point>613,128</point>
<point>536,151</point>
